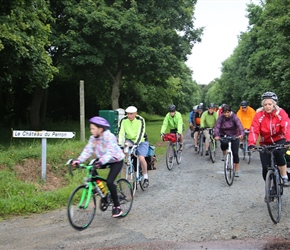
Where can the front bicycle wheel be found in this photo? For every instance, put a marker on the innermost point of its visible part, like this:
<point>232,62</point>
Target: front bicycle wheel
<point>178,155</point>
<point>130,175</point>
<point>273,196</point>
<point>229,169</point>
<point>169,156</point>
<point>200,144</point>
<point>249,157</point>
<point>81,207</point>
<point>125,195</point>
<point>212,150</point>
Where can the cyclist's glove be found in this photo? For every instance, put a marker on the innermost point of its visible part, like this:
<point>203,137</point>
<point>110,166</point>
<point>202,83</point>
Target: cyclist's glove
<point>251,147</point>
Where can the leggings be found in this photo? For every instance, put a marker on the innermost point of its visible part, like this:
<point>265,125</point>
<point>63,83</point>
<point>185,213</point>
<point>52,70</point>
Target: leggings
<point>235,149</point>
<point>115,169</point>
<point>266,158</point>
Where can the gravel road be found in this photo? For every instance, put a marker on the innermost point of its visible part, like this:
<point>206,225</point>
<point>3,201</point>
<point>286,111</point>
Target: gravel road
<point>190,207</point>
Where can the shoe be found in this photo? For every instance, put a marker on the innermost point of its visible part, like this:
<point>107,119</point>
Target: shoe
<point>180,147</point>
<point>146,183</point>
<point>206,152</point>
<point>116,212</point>
<point>195,148</point>
<point>286,183</point>
<point>223,158</point>
<point>236,174</point>
<point>241,146</point>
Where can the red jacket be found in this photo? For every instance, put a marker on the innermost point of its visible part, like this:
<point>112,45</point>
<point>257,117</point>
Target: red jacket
<point>270,127</point>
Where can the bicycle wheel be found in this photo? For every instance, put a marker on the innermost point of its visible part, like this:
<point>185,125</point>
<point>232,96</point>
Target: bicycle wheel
<point>178,156</point>
<point>229,169</point>
<point>212,150</point>
<point>273,196</point>
<point>125,195</point>
<point>81,208</point>
<point>129,174</point>
<point>169,156</point>
<point>249,157</point>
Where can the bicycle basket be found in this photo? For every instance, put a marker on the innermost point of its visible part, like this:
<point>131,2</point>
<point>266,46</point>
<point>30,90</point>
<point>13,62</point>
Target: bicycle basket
<point>170,137</point>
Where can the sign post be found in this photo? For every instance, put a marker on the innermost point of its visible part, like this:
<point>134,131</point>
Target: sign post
<point>43,135</point>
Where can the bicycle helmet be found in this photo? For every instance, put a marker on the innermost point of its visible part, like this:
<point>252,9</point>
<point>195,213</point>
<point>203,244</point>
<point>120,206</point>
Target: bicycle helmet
<point>131,109</point>
<point>195,107</point>
<point>244,104</point>
<point>100,122</point>
<point>211,106</point>
<point>270,95</point>
<point>172,108</point>
<point>199,107</point>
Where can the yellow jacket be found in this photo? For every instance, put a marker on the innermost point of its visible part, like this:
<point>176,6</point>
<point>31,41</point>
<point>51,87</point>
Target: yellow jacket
<point>246,117</point>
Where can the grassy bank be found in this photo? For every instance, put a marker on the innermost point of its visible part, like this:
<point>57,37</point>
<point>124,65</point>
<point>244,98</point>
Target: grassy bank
<point>22,190</point>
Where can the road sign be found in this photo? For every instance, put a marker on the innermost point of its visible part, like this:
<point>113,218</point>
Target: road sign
<point>43,134</point>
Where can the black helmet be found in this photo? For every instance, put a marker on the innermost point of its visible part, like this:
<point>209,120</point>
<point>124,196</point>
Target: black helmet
<point>172,108</point>
<point>199,107</point>
<point>244,104</point>
<point>270,95</point>
<point>211,106</point>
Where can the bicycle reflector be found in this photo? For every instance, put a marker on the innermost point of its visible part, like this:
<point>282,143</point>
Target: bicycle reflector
<point>170,137</point>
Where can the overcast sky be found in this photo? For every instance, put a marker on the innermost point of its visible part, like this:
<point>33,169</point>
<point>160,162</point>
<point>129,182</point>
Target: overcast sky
<point>223,21</point>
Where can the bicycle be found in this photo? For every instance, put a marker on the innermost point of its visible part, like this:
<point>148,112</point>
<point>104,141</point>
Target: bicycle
<point>212,146</point>
<point>132,170</point>
<point>201,140</point>
<point>173,150</point>
<point>246,152</point>
<point>81,207</point>
<point>229,161</point>
<point>273,183</point>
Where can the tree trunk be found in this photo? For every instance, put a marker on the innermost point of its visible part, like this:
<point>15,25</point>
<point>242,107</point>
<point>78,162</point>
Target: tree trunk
<point>35,111</point>
<point>115,88</point>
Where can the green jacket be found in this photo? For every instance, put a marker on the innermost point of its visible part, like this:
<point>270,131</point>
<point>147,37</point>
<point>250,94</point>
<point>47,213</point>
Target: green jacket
<point>131,130</point>
<point>207,120</point>
<point>175,122</point>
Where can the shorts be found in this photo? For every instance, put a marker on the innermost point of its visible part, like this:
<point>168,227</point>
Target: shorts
<point>142,148</point>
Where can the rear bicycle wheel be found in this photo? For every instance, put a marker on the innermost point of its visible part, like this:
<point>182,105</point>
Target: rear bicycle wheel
<point>229,169</point>
<point>212,152</point>
<point>125,195</point>
<point>169,156</point>
<point>81,207</point>
<point>273,196</point>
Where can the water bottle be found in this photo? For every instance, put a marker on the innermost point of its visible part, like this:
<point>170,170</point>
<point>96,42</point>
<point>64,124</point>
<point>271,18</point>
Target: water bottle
<point>102,187</point>
<point>126,148</point>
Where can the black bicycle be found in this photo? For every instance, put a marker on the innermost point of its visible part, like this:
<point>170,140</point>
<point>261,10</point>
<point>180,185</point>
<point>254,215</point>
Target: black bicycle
<point>273,184</point>
<point>81,207</point>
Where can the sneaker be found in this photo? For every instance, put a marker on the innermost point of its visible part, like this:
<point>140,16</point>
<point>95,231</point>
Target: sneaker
<point>206,152</point>
<point>195,148</point>
<point>223,158</point>
<point>241,146</point>
<point>146,183</point>
<point>180,147</point>
<point>116,212</point>
<point>236,174</point>
<point>286,183</point>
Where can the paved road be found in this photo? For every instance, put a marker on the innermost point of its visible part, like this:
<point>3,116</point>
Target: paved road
<point>190,207</point>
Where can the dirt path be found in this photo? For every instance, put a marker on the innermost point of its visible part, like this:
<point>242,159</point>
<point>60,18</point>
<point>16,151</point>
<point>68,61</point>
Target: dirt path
<point>190,207</point>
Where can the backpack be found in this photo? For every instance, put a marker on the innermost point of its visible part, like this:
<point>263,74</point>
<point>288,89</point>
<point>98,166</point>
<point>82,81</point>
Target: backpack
<point>151,158</point>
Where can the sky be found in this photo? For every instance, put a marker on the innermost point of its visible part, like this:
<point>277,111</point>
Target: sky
<point>223,20</point>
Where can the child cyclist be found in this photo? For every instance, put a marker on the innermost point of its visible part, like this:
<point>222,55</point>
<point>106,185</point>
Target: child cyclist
<point>103,144</point>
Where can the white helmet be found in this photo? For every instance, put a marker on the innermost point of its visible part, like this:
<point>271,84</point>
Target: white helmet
<point>195,107</point>
<point>131,109</point>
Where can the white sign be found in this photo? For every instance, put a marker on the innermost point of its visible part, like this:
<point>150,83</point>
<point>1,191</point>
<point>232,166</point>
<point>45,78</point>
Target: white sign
<point>43,134</point>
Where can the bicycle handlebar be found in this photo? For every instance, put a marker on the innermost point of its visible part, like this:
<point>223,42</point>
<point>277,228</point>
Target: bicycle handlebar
<point>268,149</point>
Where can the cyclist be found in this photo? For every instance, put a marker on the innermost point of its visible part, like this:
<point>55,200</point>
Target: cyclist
<point>196,124</point>
<point>229,124</point>
<point>208,120</point>
<point>271,123</point>
<point>220,109</point>
<point>103,144</point>
<point>173,120</point>
<point>191,114</point>
<point>246,115</point>
<point>132,129</point>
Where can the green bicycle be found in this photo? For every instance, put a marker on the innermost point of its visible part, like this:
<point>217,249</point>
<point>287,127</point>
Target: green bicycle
<point>82,202</point>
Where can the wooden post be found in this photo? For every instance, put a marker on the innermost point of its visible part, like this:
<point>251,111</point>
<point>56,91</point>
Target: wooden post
<point>82,111</point>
